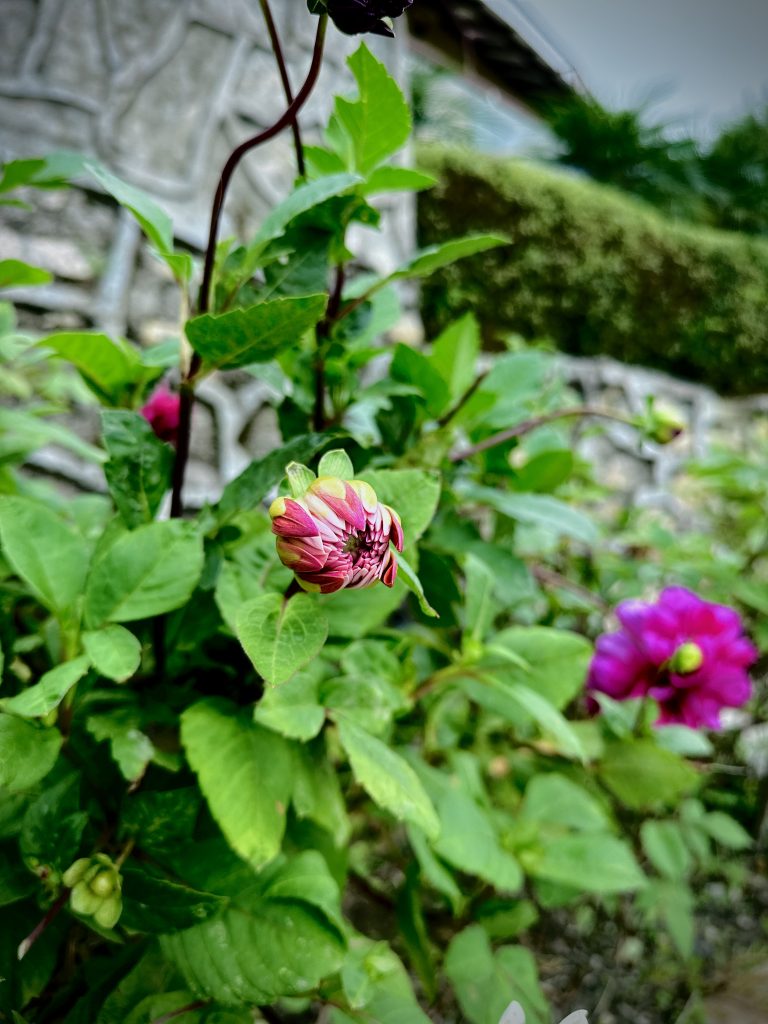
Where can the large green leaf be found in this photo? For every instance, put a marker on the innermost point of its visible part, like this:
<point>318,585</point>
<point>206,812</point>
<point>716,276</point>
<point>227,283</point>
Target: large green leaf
<point>644,776</point>
<point>280,937</point>
<point>590,862</point>
<point>110,368</point>
<point>411,367</point>
<point>486,982</point>
<point>293,709</point>
<point>146,572</point>
<point>53,826</point>
<point>27,753</point>
<point>46,695</point>
<point>154,222</point>
<point>435,257</point>
<point>665,847</point>
<point>412,493</point>
<point>387,778</point>
<point>536,510</point>
<point>554,799</point>
<point>376,984</point>
<point>455,353</point>
<point>245,773</point>
<point>49,556</point>
<point>508,699</point>
<point>281,636</point>
<point>139,468</point>
<point>553,662</point>
<point>256,334</point>
<point>15,274</point>
<point>159,906</point>
<point>378,123</point>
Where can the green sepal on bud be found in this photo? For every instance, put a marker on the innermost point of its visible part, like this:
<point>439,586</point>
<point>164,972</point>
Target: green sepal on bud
<point>96,884</point>
<point>688,658</point>
<point>300,477</point>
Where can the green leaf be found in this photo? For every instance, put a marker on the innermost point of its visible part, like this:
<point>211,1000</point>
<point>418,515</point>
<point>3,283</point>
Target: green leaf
<point>682,740</point>
<point>480,608</point>
<point>387,778</point>
<point>280,636</point>
<point>131,749</point>
<point>49,556</point>
<point>280,937</point>
<point>139,468</point>
<point>540,510</point>
<point>16,882</point>
<point>16,274</point>
<point>553,798</point>
<point>412,493</point>
<point>643,776</point>
<point>110,368</point>
<point>666,849</point>
<point>245,773</point>
<point>336,463</point>
<point>434,871</point>
<point>114,652</point>
<point>486,982</point>
<point>414,584</point>
<point>376,983</point>
<point>27,753</point>
<point>435,257</point>
<point>673,905</point>
<point>159,907</point>
<point>293,709</point>
<point>411,367</point>
<point>154,222</point>
<point>454,355</point>
<point>254,483</point>
<point>149,571</point>
<point>39,700</point>
<point>727,832</point>
<point>396,179</point>
<point>590,862</point>
<point>556,660</point>
<point>53,826</point>
<point>255,334</point>
<point>317,794</point>
<point>23,432</point>
<point>161,821</point>
<point>507,698</point>
<point>379,122</point>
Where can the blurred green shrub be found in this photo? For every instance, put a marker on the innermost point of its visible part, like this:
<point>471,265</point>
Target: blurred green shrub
<point>597,272</point>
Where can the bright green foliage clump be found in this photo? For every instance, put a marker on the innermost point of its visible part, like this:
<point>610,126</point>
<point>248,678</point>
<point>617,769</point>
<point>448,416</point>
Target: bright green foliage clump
<point>597,272</point>
<point>222,800</point>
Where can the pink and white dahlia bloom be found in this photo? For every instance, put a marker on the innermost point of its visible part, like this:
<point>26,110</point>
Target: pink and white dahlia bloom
<point>337,535</point>
<point>689,655</point>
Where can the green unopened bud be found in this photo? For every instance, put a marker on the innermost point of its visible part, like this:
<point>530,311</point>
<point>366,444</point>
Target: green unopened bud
<point>76,872</point>
<point>104,884</point>
<point>108,913</point>
<point>688,658</point>
<point>661,425</point>
<point>84,901</point>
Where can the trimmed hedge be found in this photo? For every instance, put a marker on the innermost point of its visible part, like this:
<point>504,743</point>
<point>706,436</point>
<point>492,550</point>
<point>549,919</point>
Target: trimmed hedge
<point>596,272</point>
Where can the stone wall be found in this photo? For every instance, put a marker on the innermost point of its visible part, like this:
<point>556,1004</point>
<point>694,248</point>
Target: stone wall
<point>160,91</point>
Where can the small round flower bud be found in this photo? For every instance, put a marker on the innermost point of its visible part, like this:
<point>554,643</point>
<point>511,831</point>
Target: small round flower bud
<point>76,872</point>
<point>104,884</point>
<point>686,659</point>
<point>108,913</point>
<point>162,412</point>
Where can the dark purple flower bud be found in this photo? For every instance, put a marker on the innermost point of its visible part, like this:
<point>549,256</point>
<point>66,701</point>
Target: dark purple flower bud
<point>358,16</point>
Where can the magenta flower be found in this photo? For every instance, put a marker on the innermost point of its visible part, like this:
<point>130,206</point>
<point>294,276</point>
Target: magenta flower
<point>337,535</point>
<point>687,654</point>
<point>162,414</point>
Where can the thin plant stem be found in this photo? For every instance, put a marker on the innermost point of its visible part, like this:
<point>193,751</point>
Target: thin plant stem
<point>200,1004</point>
<point>52,913</point>
<point>528,425</point>
<point>277,49</point>
<point>187,391</point>
<point>322,333</point>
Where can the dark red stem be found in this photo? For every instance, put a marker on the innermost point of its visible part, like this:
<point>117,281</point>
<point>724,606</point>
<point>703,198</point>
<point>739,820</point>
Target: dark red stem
<point>322,333</point>
<point>277,49</point>
<point>53,912</point>
<point>187,396</point>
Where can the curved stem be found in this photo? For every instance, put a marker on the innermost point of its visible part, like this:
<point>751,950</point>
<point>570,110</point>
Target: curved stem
<point>187,396</point>
<point>528,425</point>
<point>322,333</point>
<point>277,49</point>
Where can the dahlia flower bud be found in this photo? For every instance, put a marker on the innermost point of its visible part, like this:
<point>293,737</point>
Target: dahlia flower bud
<point>358,16</point>
<point>334,533</point>
<point>688,655</point>
<point>162,414</point>
<point>95,883</point>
